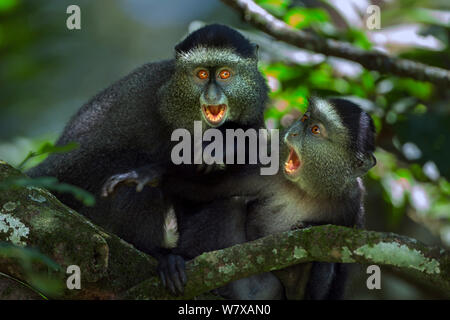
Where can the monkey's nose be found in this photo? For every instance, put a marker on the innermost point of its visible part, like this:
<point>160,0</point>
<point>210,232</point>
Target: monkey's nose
<point>212,95</point>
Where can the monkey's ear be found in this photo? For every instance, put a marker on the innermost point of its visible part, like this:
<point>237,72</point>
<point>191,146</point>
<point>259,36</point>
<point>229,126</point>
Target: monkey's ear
<point>364,164</point>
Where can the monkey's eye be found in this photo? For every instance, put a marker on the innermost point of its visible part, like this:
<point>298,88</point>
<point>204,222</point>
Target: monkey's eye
<point>315,129</point>
<point>224,74</point>
<point>304,118</point>
<point>202,74</point>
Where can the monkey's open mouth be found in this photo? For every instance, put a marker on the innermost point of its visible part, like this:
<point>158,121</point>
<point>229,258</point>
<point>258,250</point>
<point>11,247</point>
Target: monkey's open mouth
<point>214,114</point>
<point>293,163</point>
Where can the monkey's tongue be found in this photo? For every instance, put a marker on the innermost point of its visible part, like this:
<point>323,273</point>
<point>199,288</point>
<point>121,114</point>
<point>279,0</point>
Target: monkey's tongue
<point>214,113</point>
<point>293,162</point>
<point>214,110</point>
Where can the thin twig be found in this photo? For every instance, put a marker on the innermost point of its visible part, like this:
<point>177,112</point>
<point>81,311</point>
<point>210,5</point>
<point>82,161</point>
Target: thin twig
<point>370,59</point>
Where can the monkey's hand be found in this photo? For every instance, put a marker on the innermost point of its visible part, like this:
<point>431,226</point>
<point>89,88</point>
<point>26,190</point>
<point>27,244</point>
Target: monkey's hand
<point>148,175</point>
<point>171,269</point>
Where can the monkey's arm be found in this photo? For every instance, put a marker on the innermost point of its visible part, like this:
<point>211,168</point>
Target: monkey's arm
<point>114,130</point>
<point>150,175</point>
<point>217,185</point>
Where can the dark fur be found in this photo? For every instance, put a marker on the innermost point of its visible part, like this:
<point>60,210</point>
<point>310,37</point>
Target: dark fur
<point>217,36</point>
<point>127,127</point>
<point>362,130</point>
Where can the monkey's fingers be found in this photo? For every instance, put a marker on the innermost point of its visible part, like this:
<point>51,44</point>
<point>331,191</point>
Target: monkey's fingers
<point>181,268</point>
<point>164,276</point>
<point>109,186</point>
<point>123,178</point>
<point>171,270</point>
<point>171,286</point>
<point>175,262</point>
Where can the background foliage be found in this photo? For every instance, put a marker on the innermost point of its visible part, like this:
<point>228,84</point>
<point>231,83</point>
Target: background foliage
<point>47,72</point>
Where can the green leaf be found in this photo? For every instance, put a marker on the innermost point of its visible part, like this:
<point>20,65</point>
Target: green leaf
<point>368,81</point>
<point>50,183</point>
<point>359,38</point>
<point>26,255</point>
<point>444,185</point>
<point>419,89</point>
<point>7,5</point>
<point>304,17</point>
<point>276,7</point>
<point>48,147</point>
<point>282,72</point>
<point>47,285</point>
<point>405,174</point>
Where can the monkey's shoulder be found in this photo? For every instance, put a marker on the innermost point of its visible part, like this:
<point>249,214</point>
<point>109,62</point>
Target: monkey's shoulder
<point>282,205</point>
<point>118,110</point>
<point>136,87</point>
<point>279,207</point>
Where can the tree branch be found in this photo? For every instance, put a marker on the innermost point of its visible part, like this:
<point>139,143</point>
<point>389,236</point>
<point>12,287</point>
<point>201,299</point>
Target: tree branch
<point>113,269</point>
<point>370,59</point>
<point>33,218</point>
<point>324,243</point>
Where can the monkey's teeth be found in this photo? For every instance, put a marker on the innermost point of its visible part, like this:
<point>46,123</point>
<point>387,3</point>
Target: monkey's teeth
<point>293,162</point>
<point>214,113</point>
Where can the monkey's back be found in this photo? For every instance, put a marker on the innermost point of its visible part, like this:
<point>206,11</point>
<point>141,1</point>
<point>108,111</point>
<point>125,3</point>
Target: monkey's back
<point>116,130</point>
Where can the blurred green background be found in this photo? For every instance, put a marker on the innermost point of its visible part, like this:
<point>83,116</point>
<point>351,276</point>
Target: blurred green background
<point>47,72</point>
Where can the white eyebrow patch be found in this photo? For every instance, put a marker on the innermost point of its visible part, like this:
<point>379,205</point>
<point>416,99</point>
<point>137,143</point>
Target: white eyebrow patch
<point>202,55</point>
<point>327,110</point>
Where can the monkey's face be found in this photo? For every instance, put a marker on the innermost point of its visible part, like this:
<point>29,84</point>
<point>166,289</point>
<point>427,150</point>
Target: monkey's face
<point>318,159</point>
<point>213,101</point>
<point>216,86</point>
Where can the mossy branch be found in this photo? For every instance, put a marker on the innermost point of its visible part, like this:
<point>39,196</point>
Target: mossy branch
<point>324,243</point>
<point>370,59</point>
<point>113,269</point>
<point>33,218</point>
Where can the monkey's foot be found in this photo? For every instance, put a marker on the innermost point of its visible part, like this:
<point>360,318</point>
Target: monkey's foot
<point>140,177</point>
<point>299,225</point>
<point>171,269</point>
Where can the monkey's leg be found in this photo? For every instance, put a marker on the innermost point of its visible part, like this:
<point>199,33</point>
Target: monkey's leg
<point>339,284</point>
<point>325,280</point>
<point>264,286</point>
<point>294,280</point>
<point>171,269</point>
<point>147,175</point>
<point>321,281</point>
<point>147,221</point>
<point>217,225</point>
